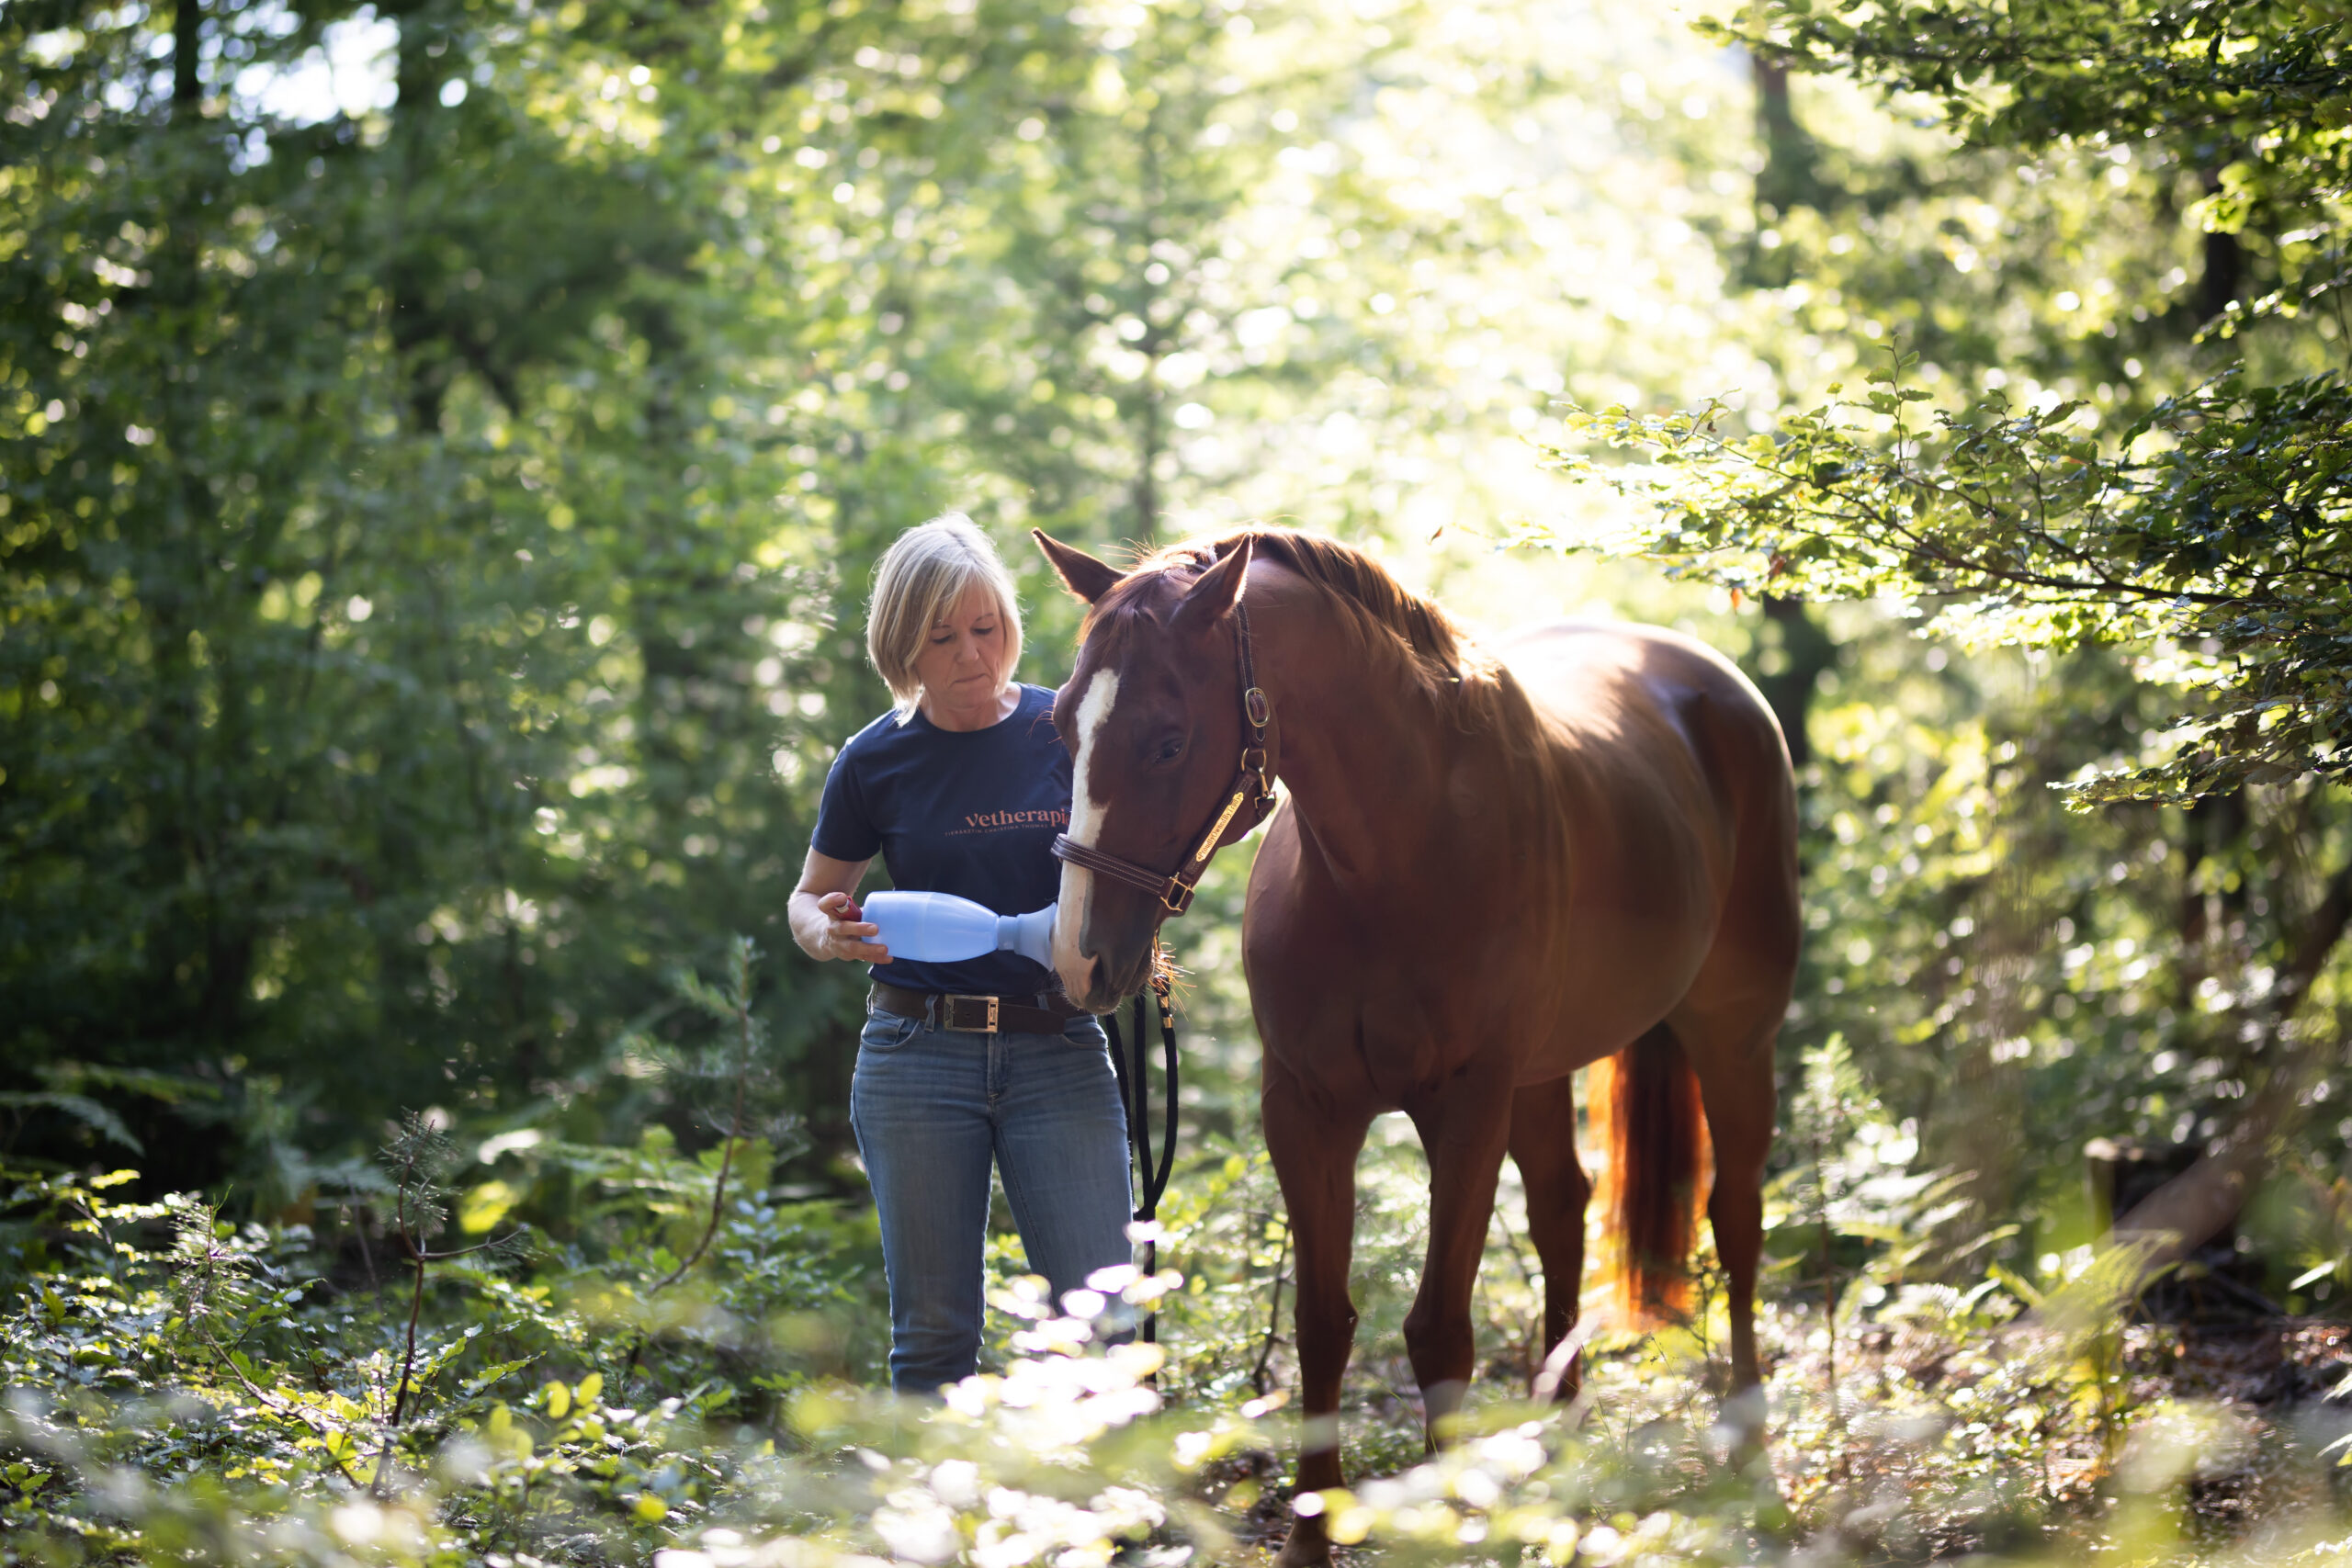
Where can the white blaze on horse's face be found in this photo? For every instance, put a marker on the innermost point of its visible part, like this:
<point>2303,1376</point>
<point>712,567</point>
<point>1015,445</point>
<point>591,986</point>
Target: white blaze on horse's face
<point>1076,969</point>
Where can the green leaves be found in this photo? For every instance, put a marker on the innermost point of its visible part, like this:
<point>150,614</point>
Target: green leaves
<point>2216,525</point>
<point>82,1108</point>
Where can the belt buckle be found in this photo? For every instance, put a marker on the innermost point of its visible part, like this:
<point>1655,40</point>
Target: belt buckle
<point>951,1022</point>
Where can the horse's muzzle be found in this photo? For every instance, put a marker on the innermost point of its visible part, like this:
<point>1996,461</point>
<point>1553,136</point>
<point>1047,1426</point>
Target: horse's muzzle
<point>1100,987</point>
<point>1101,969</point>
<point>1102,940</point>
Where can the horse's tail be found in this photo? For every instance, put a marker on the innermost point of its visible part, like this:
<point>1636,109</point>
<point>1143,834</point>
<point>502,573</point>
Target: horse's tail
<point>1645,1114</point>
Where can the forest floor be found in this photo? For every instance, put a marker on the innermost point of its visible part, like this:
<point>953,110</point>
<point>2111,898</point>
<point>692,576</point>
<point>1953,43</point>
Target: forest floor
<point>2210,1440</point>
<point>176,1381</point>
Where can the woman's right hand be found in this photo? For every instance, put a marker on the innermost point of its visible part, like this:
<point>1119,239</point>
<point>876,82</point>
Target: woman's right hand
<point>846,935</point>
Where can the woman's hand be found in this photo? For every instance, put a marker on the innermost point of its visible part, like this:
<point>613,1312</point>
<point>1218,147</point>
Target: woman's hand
<point>824,914</point>
<point>846,933</point>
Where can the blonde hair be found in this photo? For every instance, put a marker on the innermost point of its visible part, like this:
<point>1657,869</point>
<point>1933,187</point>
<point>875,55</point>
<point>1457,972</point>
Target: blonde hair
<point>919,577</point>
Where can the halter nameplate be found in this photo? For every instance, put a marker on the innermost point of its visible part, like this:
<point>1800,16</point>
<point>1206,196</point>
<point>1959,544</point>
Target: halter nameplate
<point>1217,830</point>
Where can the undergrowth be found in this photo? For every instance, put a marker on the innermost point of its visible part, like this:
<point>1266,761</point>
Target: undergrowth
<point>511,1349</point>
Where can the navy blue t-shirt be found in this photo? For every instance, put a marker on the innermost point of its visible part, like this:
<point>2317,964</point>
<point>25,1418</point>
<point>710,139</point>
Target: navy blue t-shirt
<point>968,812</point>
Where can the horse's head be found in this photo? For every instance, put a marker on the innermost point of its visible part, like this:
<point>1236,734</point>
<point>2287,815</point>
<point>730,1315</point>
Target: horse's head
<point>1153,719</point>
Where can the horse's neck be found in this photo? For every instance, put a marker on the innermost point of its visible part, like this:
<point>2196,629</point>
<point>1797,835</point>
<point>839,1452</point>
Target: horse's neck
<point>1372,761</point>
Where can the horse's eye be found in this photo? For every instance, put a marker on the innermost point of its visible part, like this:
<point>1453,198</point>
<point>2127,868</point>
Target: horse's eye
<point>1168,749</point>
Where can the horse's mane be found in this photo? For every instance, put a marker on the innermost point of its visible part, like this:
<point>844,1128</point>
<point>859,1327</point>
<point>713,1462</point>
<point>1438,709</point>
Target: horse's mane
<point>1438,656</point>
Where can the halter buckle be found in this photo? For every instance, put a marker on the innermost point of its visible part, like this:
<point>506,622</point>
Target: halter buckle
<point>1260,711</point>
<point>1183,899</point>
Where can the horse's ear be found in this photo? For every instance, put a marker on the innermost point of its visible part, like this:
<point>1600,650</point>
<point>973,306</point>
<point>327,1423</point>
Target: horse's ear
<point>1082,573</point>
<point>1215,591</point>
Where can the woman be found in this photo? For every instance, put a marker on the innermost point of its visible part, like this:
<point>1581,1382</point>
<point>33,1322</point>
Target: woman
<point>961,788</point>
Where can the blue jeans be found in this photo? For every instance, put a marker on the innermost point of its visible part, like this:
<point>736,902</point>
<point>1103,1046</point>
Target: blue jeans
<point>932,1108</point>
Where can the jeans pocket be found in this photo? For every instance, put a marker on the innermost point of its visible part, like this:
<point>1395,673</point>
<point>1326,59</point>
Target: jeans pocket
<point>886,1031</point>
<point>1086,1033</point>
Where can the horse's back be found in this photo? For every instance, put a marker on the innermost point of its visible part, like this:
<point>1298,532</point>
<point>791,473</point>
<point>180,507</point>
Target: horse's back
<point>1576,672</point>
<point>1680,789</point>
<point>1615,691</point>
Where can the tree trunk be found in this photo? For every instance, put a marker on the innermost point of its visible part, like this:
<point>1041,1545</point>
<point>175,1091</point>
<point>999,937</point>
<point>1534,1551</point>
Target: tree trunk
<point>1807,651</point>
<point>188,39</point>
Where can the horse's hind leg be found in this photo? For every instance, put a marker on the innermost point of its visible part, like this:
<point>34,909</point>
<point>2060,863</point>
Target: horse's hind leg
<point>1543,1146</point>
<point>1735,1087</point>
<point>1315,1149</point>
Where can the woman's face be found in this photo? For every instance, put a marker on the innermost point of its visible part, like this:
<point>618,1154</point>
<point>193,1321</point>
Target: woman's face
<point>962,662</point>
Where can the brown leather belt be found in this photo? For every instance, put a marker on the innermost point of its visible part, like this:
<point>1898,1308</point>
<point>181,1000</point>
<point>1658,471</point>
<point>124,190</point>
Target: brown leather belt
<point>979,1015</point>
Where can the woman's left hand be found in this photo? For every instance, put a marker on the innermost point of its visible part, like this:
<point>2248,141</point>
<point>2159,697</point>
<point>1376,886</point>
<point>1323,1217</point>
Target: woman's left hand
<point>824,914</point>
<point>846,933</point>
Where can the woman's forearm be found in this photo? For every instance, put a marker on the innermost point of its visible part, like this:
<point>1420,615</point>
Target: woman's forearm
<point>810,924</point>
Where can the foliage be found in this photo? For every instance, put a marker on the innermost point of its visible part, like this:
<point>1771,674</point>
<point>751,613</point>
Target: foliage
<point>2207,531</point>
<point>378,578</point>
<point>209,1392</point>
<point>2211,535</point>
<point>2253,94</point>
<point>445,444</point>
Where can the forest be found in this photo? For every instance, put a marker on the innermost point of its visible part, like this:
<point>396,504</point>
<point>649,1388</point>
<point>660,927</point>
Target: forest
<point>445,447</point>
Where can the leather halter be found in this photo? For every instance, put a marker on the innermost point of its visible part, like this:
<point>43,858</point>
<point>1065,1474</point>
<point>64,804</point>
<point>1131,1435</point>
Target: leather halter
<point>1251,785</point>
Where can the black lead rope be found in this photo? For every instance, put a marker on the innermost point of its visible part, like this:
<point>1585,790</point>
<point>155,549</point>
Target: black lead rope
<point>1135,1093</point>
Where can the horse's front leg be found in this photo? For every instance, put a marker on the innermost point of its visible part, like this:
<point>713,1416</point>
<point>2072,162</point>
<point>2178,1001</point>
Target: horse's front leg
<point>1315,1149</point>
<point>1464,1129</point>
<point>1543,1146</point>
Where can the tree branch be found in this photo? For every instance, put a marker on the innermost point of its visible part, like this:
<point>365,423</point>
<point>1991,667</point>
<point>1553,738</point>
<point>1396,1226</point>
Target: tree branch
<point>2192,1208</point>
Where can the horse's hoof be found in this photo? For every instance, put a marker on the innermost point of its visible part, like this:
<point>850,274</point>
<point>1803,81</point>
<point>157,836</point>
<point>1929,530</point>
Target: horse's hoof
<point>1307,1548</point>
<point>1741,1421</point>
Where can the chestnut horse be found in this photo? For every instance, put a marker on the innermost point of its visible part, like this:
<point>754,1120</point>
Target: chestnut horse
<point>1490,871</point>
